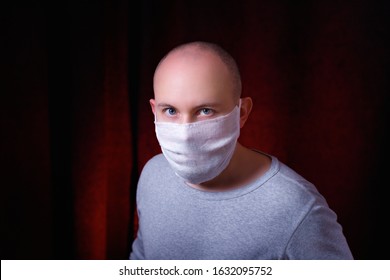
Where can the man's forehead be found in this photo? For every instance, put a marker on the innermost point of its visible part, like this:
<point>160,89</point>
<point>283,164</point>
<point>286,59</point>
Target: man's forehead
<point>193,100</point>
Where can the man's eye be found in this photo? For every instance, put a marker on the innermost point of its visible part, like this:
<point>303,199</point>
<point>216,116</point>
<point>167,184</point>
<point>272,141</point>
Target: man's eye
<point>206,111</point>
<point>170,111</point>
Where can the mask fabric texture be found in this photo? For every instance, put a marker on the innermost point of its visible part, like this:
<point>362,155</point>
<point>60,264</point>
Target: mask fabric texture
<point>200,151</point>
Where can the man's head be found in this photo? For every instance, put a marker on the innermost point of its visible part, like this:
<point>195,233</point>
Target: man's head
<point>196,81</point>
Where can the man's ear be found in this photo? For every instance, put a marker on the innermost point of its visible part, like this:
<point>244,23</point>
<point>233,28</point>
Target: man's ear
<point>246,108</point>
<point>153,105</point>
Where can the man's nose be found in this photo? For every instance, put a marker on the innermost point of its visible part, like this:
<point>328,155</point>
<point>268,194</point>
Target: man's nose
<point>187,118</point>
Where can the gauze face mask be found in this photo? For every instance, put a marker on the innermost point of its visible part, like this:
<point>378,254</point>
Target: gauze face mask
<point>200,151</point>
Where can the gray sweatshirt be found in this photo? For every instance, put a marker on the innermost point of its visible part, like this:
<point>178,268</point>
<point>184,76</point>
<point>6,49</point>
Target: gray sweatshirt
<point>279,216</point>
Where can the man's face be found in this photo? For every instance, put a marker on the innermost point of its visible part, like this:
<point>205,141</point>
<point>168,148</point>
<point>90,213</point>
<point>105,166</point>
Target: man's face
<point>190,87</point>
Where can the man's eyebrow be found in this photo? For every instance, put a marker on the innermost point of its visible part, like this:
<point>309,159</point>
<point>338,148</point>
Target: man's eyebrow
<point>204,105</point>
<point>207,105</point>
<point>165,105</point>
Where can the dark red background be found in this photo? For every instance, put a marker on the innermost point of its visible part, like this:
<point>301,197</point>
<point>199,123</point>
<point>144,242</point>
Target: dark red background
<point>76,126</point>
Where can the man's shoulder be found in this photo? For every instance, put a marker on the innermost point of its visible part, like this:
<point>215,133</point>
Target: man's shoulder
<point>155,166</point>
<point>156,160</point>
<point>295,188</point>
<point>156,171</point>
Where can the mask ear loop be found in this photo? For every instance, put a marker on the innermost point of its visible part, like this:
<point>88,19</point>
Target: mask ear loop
<point>239,108</point>
<point>239,104</point>
<point>155,117</point>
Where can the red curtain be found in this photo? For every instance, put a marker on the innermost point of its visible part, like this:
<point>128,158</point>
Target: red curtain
<point>77,127</point>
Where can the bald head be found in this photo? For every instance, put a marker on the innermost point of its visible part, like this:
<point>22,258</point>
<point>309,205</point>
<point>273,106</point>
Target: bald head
<point>208,57</point>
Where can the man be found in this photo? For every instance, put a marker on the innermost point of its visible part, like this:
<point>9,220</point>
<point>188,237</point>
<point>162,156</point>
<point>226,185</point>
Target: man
<point>209,197</point>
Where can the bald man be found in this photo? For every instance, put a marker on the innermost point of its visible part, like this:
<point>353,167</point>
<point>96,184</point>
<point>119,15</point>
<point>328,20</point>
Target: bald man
<point>209,197</point>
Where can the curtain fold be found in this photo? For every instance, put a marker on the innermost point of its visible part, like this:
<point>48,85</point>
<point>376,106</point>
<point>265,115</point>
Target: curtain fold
<point>101,142</point>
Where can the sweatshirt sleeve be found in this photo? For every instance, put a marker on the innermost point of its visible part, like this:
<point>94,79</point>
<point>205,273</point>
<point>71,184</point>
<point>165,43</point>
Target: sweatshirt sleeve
<point>318,236</point>
<point>138,252</point>
<point>137,248</point>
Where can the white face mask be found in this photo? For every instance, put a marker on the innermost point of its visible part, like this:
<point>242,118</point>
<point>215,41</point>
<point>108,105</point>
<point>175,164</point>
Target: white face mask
<point>200,151</point>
